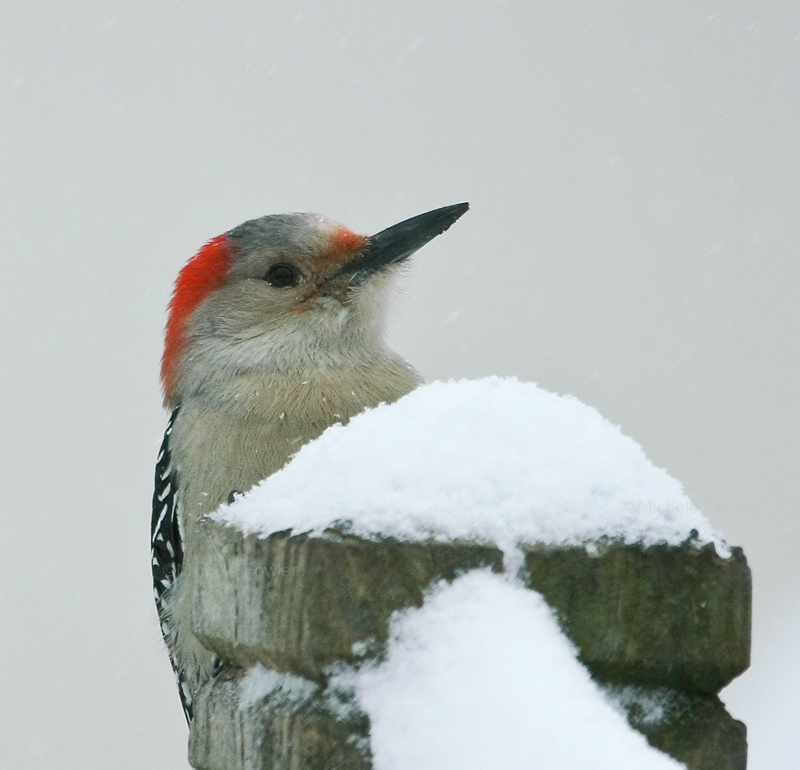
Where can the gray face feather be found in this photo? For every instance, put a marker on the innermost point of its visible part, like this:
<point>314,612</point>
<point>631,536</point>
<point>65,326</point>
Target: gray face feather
<point>256,323</point>
<point>303,293</point>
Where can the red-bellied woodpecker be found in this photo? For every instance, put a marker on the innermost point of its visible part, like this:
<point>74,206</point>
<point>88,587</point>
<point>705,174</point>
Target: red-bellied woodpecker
<point>273,335</point>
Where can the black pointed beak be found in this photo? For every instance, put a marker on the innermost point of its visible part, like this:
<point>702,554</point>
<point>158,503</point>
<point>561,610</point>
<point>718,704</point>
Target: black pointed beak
<point>400,241</point>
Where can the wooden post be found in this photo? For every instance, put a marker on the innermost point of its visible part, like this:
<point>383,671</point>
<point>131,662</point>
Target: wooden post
<point>662,628</point>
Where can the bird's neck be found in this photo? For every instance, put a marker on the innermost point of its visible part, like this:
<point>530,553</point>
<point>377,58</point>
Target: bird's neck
<point>254,421</point>
<point>324,382</point>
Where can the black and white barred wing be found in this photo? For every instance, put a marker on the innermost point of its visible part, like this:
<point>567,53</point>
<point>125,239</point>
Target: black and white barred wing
<point>166,549</point>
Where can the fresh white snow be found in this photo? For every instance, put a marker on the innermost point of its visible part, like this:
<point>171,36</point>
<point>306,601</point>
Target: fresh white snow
<point>260,681</point>
<point>494,460</point>
<point>481,677</point>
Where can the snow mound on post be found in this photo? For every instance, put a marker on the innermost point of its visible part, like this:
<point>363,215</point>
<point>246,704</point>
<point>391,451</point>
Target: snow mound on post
<point>493,460</point>
<point>481,677</point>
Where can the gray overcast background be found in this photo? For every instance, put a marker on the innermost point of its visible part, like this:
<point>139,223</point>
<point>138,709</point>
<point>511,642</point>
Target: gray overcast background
<point>634,175</point>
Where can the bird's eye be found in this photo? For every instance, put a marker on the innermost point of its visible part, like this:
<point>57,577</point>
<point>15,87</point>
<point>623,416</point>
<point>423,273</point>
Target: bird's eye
<point>282,276</point>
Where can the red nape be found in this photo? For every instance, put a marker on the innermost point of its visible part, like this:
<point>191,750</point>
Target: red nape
<point>201,275</point>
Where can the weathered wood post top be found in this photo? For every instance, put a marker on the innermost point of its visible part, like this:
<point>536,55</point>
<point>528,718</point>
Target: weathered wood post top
<point>314,569</point>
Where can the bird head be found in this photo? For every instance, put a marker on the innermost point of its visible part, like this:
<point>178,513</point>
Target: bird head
<point>285,292</point>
